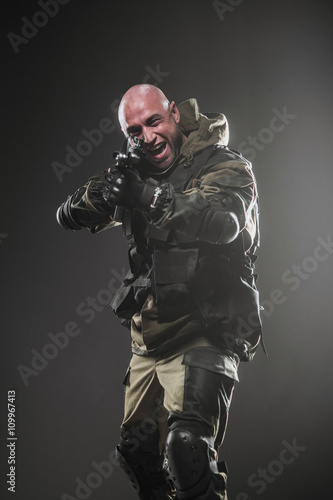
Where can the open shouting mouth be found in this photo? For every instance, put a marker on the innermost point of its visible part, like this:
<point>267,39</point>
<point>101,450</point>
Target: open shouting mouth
<point>158,151</point>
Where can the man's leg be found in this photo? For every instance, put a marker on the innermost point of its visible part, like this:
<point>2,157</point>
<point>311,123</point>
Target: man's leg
<point>142,431</point>
<point>197,423</point>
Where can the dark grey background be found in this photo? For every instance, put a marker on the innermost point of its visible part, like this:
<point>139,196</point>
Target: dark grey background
<point>263,55</point>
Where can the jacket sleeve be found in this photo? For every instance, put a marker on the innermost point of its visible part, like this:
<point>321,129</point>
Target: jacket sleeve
<point>86,208</point>
<point>219,206</point>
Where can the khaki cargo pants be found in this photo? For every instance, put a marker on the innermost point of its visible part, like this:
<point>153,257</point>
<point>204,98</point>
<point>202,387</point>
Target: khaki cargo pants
<point>188,386</point>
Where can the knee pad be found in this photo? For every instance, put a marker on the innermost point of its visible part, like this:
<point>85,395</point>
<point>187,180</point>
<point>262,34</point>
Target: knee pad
<point>131,471</point>
<point>192,467</point>
<point>188,459</point>
<point>143,465</point>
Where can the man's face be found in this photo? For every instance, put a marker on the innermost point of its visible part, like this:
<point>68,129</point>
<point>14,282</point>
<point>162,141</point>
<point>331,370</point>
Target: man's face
<point>156,122</point>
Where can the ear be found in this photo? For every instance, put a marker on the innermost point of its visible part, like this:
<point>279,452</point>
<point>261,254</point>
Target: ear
<point>174,111</point>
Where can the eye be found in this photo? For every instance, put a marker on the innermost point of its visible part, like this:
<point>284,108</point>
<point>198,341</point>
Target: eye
<point>154,122</point>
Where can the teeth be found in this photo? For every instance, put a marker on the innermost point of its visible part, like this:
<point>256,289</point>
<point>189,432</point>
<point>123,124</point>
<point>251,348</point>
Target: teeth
<point>155,147</point>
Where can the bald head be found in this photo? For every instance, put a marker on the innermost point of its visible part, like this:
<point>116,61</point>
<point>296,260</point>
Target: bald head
<point>145,113</point>
<point>138,96</point>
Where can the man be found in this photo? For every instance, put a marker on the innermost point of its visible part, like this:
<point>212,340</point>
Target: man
<point>189,212</point>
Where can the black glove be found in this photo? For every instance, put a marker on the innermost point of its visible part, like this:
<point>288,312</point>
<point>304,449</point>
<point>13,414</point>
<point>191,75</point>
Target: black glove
<point>87,207</point>
<point>126,189</point>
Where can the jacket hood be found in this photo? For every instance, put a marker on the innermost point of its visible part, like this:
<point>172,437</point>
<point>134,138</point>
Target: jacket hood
<point>201,130</point>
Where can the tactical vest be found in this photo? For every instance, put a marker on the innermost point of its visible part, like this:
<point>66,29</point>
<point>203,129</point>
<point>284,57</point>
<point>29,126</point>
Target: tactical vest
<point>216,279</point>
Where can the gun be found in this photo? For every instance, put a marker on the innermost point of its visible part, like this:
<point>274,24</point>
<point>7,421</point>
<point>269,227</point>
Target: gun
<point>130,157</point>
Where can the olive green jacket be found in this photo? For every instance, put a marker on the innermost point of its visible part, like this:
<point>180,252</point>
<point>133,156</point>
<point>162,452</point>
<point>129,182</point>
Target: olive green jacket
<point>183,281</point>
